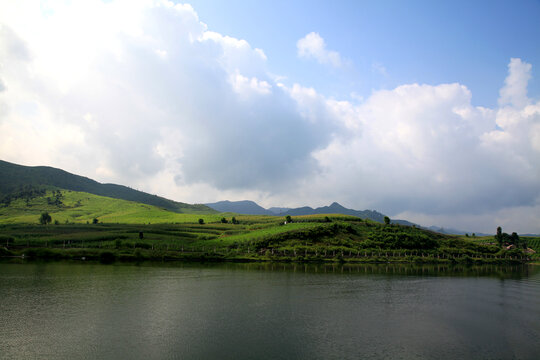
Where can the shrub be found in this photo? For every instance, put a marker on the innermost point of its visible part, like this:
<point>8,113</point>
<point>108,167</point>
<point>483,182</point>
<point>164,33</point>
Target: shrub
<point>107,257</point>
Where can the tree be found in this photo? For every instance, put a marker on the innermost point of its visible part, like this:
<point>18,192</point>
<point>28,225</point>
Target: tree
<point>288,218</point>
<point>499,236</point>
<point>223,220</point>
<point>45,218</point>
<point>95,221</point>
<point>386,220</point>
<point>234,221</point>
<point>201,221</point>
<point>514,238</point>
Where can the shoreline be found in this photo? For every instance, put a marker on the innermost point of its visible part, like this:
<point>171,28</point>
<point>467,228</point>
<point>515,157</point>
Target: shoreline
<point>109,256</point>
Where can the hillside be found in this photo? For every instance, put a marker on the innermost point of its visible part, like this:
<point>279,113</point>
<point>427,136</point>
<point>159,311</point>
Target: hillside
<point>15,178</point>
<point>75,207</point>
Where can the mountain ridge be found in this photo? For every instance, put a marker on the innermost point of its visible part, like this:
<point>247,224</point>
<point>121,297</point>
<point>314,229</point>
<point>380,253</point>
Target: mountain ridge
<point>15,177</point>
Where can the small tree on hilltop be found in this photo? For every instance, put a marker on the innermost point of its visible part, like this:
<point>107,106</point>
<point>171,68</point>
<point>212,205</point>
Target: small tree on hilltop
<point>288,218</point>
<point>386,220</point>
<point>45,218</point>
<point>201,221</point>
<point>223,220</point>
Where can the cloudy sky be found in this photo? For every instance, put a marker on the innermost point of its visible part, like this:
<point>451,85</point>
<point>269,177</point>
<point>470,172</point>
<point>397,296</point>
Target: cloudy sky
<point>422,110</point>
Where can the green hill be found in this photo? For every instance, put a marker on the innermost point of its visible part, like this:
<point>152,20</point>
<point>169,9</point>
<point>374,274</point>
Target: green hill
<point>66,206</point>
<point>17,181</point>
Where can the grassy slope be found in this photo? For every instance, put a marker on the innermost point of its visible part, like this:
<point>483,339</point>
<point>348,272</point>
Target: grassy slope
<point>16,177</point>
<point>80,207</point>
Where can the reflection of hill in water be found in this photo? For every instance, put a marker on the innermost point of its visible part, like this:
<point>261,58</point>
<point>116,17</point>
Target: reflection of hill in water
<point>515,272</point>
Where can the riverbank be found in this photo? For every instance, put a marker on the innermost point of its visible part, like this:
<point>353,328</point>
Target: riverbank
<point>138,255</point>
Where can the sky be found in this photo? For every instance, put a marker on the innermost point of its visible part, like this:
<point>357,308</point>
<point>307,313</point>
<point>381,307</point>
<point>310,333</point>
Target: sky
<point>425,111</point>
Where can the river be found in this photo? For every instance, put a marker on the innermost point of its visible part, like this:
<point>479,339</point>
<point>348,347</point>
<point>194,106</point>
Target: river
<point>59,310</point>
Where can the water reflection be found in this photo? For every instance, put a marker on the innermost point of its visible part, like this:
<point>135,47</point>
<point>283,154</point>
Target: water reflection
<point>268,311</point>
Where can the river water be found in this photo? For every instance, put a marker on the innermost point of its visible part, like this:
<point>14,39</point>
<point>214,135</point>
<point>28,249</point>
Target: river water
<point>62,310</point>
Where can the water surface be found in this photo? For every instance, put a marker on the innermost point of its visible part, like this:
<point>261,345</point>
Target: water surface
<point>253,311</point>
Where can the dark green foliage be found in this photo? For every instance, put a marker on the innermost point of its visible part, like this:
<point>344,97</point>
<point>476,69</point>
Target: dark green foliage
<point>45,218</point>
<point>201,221</point>
<point>288,218</point>
<point>234,221</point>
<point>107,257</point>
<point>95,221</point>
<point>402,238</point>
<point>27,192</point>
<point>386,220</point>
<point>499,237</point>
<point>141,245</point>
<point>223,220</point>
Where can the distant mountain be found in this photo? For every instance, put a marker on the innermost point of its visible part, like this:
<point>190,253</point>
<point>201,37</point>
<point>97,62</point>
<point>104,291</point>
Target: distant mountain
<point>278,210</point>
<point>246,207</point>
<point>452,231</point>
<point>14,178</point>
<point>336,208</point>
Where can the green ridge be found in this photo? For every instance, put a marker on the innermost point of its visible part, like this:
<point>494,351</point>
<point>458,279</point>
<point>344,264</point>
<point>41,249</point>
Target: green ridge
<point>66,206</point>
<point>15,179</point>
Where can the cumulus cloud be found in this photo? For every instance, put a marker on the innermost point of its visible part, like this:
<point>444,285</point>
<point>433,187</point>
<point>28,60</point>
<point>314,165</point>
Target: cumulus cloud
<point>160,73</point>
<point>426,151</point>
<point>313,46</point>
<point>153,99</point>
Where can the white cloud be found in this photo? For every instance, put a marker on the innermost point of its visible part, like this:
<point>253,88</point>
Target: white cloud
<point>152,99</point>
<point>245,86</point>
<point>160,71</point>
<point>313,46</point>
<point>514,92</point>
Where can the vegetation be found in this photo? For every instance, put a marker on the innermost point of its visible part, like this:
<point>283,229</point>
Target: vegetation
<point>108,229</point>
<point>80,207</point>
<point>526,243</point>
<point>45,218</point>
<point>306,238</point>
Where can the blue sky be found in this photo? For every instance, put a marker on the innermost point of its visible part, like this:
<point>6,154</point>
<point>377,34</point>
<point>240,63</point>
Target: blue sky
<point>429,42</point>
<point>423,110</point>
